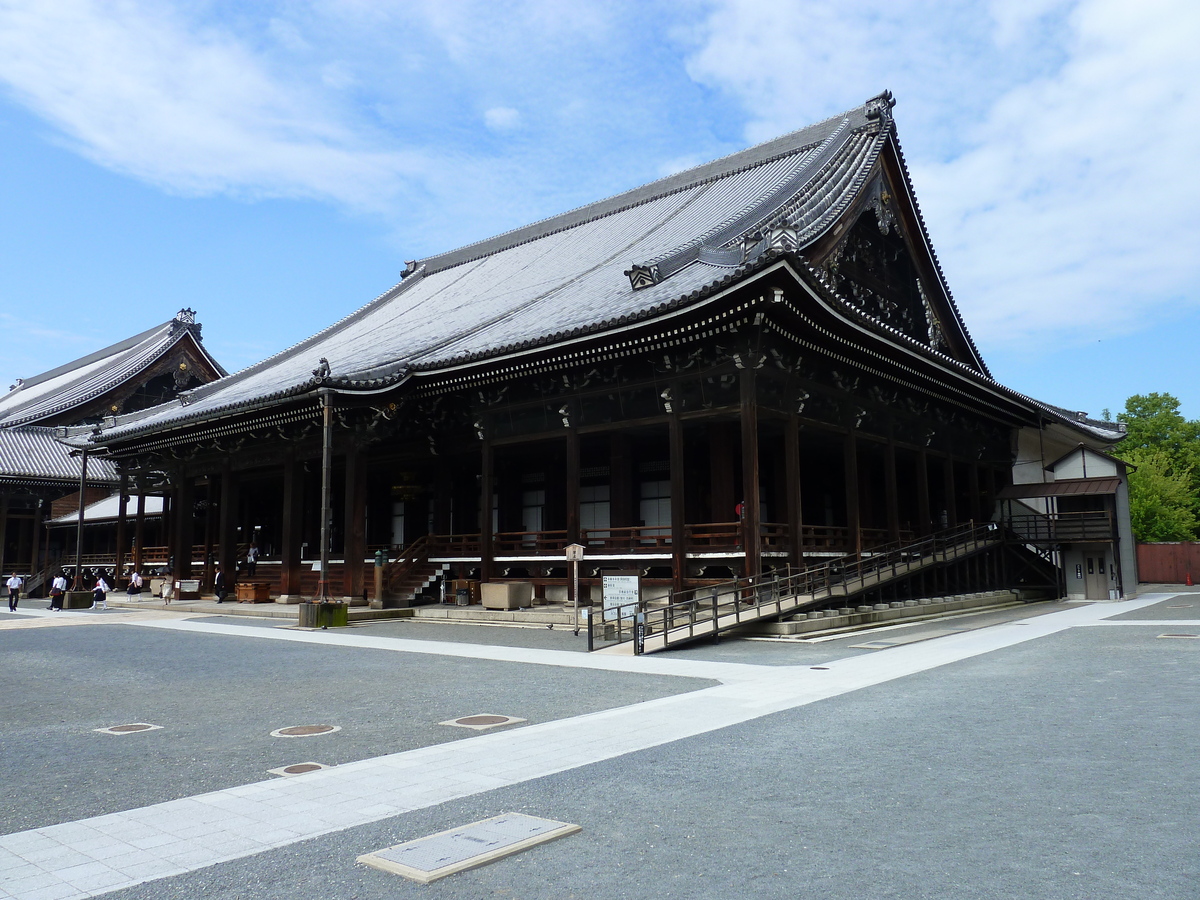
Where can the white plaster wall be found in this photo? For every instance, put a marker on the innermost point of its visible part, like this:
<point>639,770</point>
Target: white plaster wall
<point>1085,464</point>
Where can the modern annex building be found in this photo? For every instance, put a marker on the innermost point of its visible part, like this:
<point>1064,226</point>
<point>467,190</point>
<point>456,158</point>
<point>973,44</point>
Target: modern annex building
<point>751,364</point>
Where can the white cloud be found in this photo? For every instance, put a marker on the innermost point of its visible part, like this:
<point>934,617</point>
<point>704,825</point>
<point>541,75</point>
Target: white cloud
<point>1051,143</point>
<point>502,118</point>
<point>138,90</point>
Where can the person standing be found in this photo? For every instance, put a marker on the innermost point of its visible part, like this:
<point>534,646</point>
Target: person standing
<point>135,584</point>
<point>220,586</point>
<point>100,593</point>
<point>252,559</point>
<point>14,585</point>
<point>58,587</point>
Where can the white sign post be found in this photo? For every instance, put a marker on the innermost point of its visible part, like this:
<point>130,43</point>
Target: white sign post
<point>574,555</point>
<point>621,589</point>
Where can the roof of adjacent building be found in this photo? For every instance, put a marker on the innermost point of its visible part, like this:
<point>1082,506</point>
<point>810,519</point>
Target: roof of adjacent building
<point>51,394</point>
<point>627,258</point>
<point>32,454</point>
<point>109,509</point>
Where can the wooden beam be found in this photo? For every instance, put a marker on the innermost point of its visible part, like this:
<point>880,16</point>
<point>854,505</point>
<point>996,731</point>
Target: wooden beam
<point>35,538</point>
<point>4,530</point>
<point>750,488</point>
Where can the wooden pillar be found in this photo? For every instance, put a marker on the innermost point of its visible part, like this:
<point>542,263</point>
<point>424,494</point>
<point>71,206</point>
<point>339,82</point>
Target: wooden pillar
<point>750,489</point>
<point>571,495</point>
<point>850,466</point>
<point>119,555</point>
<point>924,519</point>
<point>355,543</point>
<point>291,529</point>
<point>795,516</point>
<point>210,527</point>
<point>721,472</point>
<point>184,531</point>
<point>36,536</point>
<point>486,489</point>
<point>893,501</point>
<point>989,493</point>
<point>227,527</point>
<point>973,487</point>
<point>168,521</point>
<point>620,467</point>
<point>139,532</point>
<point>951,506</point>
<point>678,528</point>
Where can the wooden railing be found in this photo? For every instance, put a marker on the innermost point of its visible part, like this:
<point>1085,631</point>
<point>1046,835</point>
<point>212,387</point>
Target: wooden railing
<point>1063,528</point>
<point>515,543</point>
<point>631,539</point>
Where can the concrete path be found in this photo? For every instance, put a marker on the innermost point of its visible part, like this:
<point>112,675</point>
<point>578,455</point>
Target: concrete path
<point>109,852</point>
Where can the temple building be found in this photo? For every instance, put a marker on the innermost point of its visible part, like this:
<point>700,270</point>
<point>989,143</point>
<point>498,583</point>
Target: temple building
<point>746,366</point>
<point>40,477</point>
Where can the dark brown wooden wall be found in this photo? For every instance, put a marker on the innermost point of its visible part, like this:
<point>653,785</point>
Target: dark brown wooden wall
<point>1168,563</point>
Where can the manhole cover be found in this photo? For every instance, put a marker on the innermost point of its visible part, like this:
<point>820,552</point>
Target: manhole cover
<point>298,768</point>
<point>305,730</point>
<point>430,858</point>
<point>480,722</point>
<point>131,728</point>
<point>820,668</point>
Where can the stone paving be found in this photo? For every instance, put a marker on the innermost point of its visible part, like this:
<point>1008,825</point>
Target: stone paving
<point>125,847</point>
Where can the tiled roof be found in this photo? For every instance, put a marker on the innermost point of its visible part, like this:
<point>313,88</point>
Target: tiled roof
<point>620,260</point>
<point>30,453</point>
<point>76,383</point>
<point>564,275</point>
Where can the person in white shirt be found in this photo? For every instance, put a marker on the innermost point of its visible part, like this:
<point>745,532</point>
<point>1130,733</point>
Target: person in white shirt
<point>135,583</point>
<point>100,593</point>
<point>58,587</point>
<point>14,585</point>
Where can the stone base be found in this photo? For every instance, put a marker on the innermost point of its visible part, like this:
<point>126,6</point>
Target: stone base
<point>289,598</point>
<point>78,599</point>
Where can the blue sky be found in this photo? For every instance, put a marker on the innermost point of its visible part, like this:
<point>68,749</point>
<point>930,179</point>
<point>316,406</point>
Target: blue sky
<point>273,165</point>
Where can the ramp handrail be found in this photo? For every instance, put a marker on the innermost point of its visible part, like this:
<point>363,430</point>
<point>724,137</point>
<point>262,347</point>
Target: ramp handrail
<point>704,611</point>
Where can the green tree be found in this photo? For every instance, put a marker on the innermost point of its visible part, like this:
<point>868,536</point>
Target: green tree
<point>1164,489</point>
<point>1162,497</point>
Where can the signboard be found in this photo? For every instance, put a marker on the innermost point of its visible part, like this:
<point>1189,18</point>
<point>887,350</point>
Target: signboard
<point>574,552</point>
<point>621,589</point>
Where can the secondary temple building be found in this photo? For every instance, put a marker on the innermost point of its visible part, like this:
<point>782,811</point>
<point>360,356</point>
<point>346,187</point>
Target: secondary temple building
<point>752,364</point>
<point>42,482</point>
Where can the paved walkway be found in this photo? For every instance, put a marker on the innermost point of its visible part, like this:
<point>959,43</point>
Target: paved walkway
<point>106,853</point>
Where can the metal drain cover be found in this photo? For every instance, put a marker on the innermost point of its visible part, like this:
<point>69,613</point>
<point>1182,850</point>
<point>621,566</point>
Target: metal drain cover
<point>430,858</point>
<point>1179,635</point>
<point>298,768</point>
<point>480,722</point>
<point>131,728</point>
<point>305,730</point>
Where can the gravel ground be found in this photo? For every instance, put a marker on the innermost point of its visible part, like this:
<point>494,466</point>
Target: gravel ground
<point>1059,768</point>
